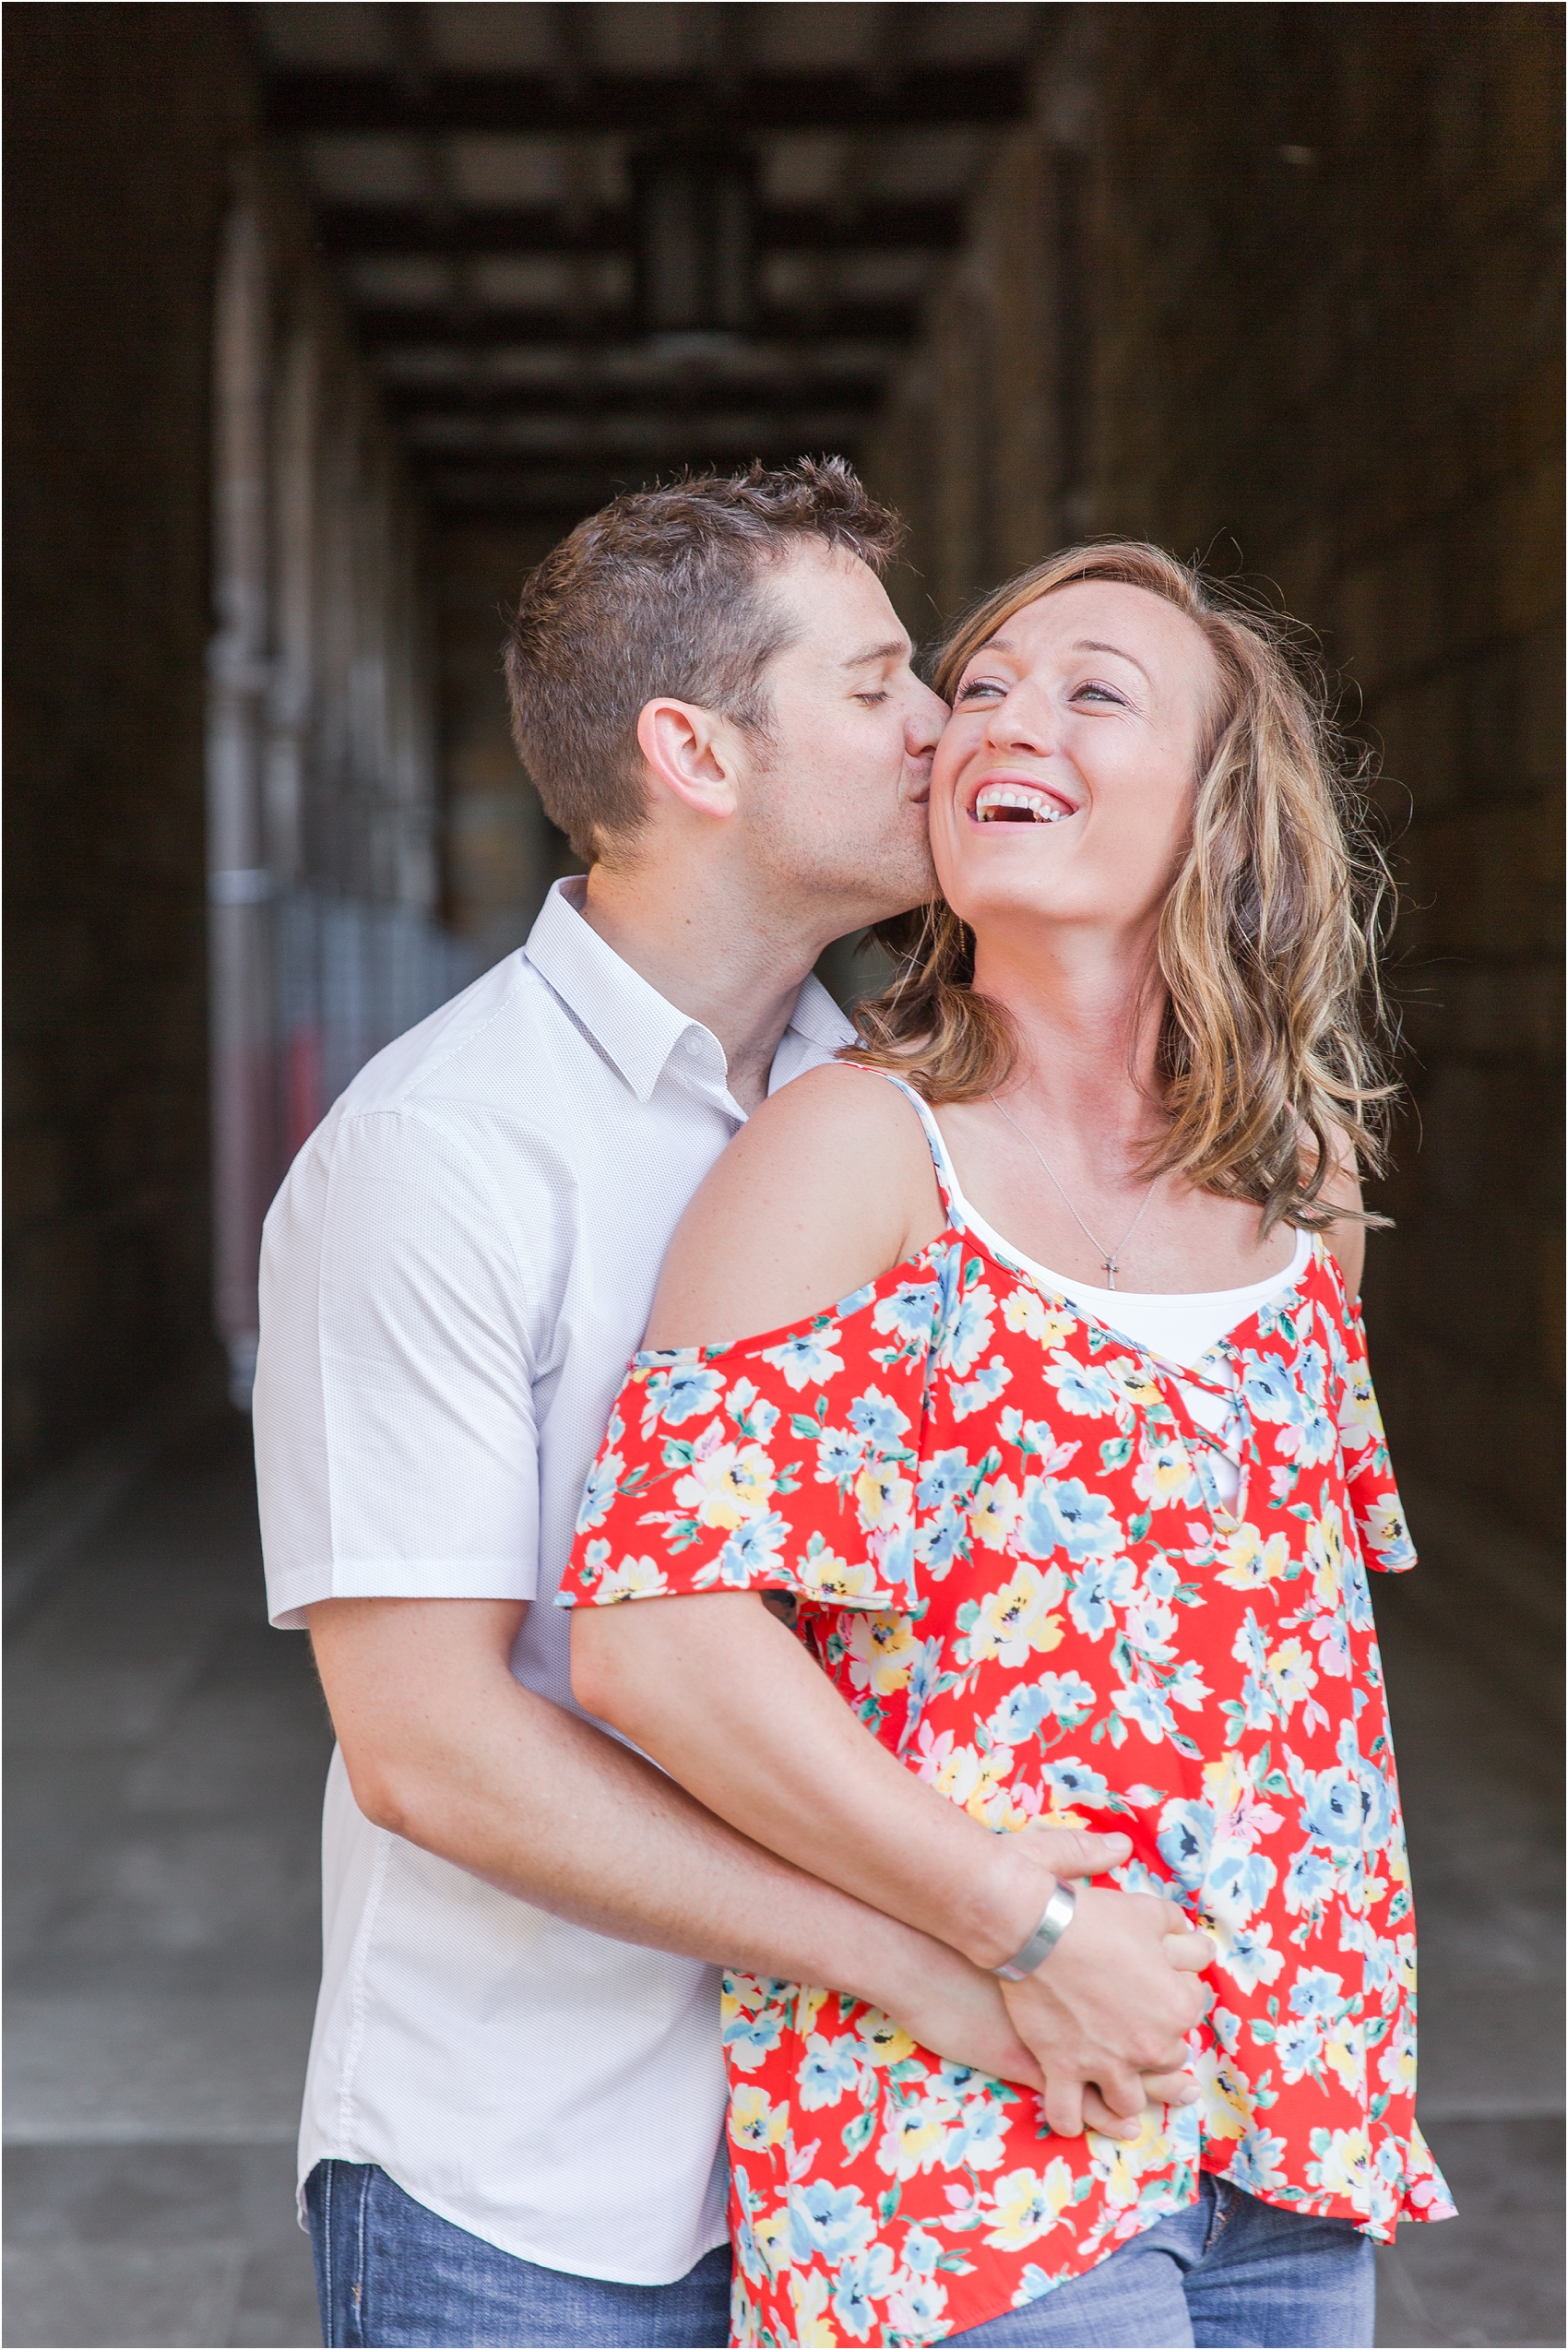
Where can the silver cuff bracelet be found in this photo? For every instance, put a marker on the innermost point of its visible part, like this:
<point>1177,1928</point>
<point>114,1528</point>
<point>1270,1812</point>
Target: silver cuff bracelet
<point>1047,1934</point>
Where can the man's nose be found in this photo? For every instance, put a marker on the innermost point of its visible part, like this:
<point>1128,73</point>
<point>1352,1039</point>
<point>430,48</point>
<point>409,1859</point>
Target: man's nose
<point>922,730</point>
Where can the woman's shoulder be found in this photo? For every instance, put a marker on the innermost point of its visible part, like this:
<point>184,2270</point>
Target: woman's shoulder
<point>828,1185</point>
<point>841,1099</point>
<point>834,1121</point>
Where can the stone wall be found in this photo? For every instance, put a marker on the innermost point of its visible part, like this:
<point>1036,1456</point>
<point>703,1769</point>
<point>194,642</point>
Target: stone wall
<point>120,122</point>
<point>1279,287</point>
<point>222,802</point>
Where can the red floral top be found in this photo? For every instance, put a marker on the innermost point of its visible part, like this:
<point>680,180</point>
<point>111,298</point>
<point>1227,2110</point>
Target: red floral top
<point>998,1519</point>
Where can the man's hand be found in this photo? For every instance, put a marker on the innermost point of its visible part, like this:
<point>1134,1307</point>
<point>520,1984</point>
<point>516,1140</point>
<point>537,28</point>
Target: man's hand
<point>956,2008</point>
<point>1111,2006</point>
<point>1078,1853</point>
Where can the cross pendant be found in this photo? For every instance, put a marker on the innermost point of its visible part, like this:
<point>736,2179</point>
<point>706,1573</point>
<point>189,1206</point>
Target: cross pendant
<point>1111,1271</point>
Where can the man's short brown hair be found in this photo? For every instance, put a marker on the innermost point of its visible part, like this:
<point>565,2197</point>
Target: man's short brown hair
<point>662,593</point>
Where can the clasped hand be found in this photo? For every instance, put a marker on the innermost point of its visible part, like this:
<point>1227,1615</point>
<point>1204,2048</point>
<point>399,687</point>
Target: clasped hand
<point>1107,2017</point>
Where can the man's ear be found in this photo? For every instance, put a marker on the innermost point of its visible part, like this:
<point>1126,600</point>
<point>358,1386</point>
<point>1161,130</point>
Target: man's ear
<point>690,753</point>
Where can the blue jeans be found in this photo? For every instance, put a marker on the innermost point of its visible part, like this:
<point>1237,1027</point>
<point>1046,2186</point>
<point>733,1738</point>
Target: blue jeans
<point>1228,2270</point>
<point>387,2271</point>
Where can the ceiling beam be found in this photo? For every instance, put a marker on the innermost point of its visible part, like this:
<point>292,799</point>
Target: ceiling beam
<point>566,491</point>
<point>494,474</point>
<point>618,442</point>
<point>318,102</point>
<point>408,325</point>
<point>648,395</point>
<point>881,226</point>
<point>563,498</point>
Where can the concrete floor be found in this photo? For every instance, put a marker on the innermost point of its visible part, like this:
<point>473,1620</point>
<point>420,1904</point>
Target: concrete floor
<point>166,1754</point>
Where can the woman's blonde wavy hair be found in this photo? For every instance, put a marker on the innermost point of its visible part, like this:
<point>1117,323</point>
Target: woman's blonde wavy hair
<point>1271,1048</point>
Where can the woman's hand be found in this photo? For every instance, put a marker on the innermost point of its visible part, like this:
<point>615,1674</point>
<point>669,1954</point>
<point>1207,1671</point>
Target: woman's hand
<point>959,2012</point>
<point>958,2009</point>
<point>1107,2015</point>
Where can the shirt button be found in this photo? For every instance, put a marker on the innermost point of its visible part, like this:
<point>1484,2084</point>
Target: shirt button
<point>694,1046</point>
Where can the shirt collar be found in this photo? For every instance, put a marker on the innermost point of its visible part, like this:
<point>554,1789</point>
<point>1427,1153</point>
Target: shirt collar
<point>818,1017</point>
<point>639,1029</point>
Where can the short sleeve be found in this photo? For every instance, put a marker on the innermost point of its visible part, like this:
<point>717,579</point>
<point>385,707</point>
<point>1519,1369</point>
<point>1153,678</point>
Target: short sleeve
<point>396,1445</point>
<point>1375,1507</point>
<point>788,1463</point>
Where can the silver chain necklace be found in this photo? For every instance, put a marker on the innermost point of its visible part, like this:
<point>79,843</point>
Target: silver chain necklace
<point>1109,1258</point>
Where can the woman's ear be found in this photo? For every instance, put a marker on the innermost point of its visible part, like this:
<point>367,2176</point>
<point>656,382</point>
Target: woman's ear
<point>689,754</point>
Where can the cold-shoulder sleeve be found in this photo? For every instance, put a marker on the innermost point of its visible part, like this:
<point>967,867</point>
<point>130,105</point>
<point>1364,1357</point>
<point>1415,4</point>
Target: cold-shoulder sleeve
<point>1375,1506</point>
<point>784,1463</point>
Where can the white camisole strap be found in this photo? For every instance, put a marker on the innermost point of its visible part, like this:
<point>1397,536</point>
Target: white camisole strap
<point>1181,1328</point>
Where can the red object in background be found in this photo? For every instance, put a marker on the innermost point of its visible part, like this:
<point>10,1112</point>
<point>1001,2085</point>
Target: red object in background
<point>301,1112</point>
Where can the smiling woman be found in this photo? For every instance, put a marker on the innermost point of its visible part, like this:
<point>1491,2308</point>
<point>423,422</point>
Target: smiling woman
<point>1062,1552</point>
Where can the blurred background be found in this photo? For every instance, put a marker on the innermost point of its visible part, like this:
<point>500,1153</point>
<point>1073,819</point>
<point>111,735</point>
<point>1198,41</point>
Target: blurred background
<point>327,321</point>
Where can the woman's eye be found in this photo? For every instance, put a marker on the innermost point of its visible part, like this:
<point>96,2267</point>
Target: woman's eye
<point>974,686</point>
<point>1095,694</point>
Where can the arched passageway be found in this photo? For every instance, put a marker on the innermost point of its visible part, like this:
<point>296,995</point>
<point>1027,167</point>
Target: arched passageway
<point>329,320</point>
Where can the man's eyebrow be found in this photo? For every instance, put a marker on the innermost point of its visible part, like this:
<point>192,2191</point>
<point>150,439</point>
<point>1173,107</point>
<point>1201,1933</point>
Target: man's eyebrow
<point>895,649</point>
<point>1090,645</point>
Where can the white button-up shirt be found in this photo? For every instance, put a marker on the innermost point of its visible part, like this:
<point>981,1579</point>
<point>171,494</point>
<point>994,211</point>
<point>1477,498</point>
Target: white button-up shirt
<point>453,1277</point>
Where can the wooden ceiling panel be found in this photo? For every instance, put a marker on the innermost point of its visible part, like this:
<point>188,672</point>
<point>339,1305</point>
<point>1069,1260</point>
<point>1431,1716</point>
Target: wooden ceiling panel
<point>337,100</point>
<point>908,224</point>
<point>565,393</point>
<point>479,38</point>
<point>404,328</point>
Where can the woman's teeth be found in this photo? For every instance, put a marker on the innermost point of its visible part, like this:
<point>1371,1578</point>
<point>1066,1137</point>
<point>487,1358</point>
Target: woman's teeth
<point>1012,803</point>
